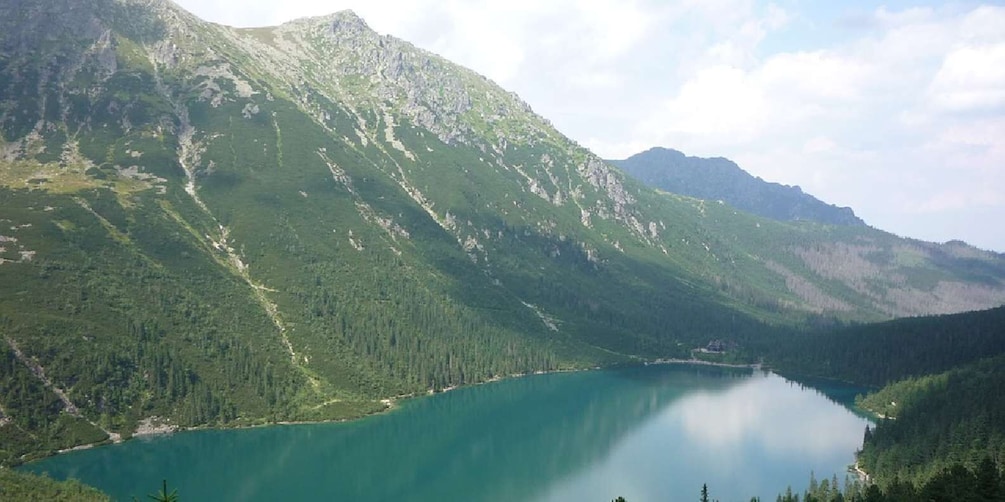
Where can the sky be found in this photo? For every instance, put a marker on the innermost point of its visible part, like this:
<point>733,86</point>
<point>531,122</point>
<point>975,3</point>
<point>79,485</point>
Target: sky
<point>896,109</point>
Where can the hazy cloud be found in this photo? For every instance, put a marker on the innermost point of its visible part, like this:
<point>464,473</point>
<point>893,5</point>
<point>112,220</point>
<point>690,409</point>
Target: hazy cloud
<point>971,78</point>
<point>896,111</point>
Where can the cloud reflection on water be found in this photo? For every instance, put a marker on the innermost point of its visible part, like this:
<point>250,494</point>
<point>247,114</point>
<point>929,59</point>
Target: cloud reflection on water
<point>653,433</point>
<point>752,438</point>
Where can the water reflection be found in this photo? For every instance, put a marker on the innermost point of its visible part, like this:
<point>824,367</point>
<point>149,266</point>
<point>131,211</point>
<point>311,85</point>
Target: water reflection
<point>650,433</point>
<point>755,438</point>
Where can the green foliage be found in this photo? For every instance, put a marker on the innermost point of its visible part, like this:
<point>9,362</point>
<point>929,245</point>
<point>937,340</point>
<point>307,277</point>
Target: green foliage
<point>878,354</point>
<point>703,497</point>
<point>131,333</point>
<point>164,495</point>
<point>953,483</point>
<point>23,486</point>
<point>34,422</point>
<point>941,377</point>
<point>211,232</point>
<point>956,482</point>
<point>937,421</point>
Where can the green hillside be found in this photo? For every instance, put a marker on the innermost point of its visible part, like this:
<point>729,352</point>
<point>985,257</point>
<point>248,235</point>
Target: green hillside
<point>938,384</point>
<point>20,486</point>
<point>882,353</point>
<point>204,225</point>
<point>937,421</point>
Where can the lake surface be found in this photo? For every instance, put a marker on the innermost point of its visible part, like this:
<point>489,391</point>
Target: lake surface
<point>646,433</point>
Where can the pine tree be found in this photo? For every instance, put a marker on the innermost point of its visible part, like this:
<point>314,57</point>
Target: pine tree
<point>163,495</point>
<point>989,482</point>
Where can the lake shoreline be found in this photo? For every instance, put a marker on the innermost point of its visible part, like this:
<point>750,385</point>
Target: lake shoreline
<point>146,428</point>
<point>152,427</point>
<point>702,362</point>
<point>552,433</point>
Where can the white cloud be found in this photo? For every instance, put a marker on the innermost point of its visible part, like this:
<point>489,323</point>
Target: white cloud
<point>815,76</point>
<point>720,100</point>
<point>971,79</point>
<point>983,133</point>
<point>911,16</point>
<point>494,37</point>
<point>983,24</point>
<point>739,415</point>
<point>945,201</point>
<point>883,116</point>
<point>819,144</point>
<point>738,47</point>
<point>778,98</point>
<point>914,104</point>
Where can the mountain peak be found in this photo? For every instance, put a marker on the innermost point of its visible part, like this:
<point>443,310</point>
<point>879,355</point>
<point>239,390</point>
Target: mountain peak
<point>295,222</point>
<point>721,179</point>
<point>347,16</point>
<point>662,151</point>
<point>344,20</point>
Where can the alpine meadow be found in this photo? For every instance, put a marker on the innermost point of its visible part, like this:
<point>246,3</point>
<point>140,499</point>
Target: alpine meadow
<point>208,226</point>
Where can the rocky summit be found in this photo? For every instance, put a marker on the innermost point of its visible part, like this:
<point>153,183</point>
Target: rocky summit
<point>204,225</point>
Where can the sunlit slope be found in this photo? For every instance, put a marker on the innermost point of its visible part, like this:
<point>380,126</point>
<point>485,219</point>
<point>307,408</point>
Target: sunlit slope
<point>211,225</point>
<point>827,258</point>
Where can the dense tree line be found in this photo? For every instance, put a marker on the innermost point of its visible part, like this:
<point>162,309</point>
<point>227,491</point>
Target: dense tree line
<point>938,381</point>
<point>882,353</point>
<point>985,482</point>
<point>954,483</point>
<point>937,421</point>
<point>408,339</point>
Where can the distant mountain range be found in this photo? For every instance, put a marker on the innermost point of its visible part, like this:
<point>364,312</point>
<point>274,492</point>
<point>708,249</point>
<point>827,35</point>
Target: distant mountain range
<point>204,225</point>
<point>721,179</point>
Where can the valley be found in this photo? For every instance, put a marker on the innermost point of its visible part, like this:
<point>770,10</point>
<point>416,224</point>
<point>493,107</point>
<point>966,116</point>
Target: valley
<point>204,226</point>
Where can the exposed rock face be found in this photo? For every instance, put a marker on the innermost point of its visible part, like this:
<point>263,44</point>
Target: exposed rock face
<point>367,91</point>
<point>296,222</point>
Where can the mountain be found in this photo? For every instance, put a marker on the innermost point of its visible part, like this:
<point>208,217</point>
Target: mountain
<point>205,225</point>
<point>722,179</point>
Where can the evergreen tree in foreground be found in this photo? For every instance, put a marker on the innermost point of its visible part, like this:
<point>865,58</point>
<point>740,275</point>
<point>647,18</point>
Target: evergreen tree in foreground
<point>163,495</point>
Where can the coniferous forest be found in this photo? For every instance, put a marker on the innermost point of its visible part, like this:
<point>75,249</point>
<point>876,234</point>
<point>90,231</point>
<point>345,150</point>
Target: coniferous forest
<point>203,226</point>
<point>940,432</point>
<point>982,483</point>
<point>939,382</point>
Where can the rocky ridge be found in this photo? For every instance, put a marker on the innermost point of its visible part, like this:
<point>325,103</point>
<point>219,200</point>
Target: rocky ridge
<point>235,226</point>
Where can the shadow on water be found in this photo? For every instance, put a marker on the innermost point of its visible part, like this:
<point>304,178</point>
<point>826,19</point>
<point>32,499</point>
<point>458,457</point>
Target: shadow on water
<point>836,391</point>
<point>502,441</point>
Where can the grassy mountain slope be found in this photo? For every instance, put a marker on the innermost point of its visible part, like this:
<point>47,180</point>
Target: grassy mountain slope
<point>842,269</point>
<point>208,225</point>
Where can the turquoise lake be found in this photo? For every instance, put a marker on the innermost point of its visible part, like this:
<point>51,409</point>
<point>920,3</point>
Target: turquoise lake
<point>653,433</point>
